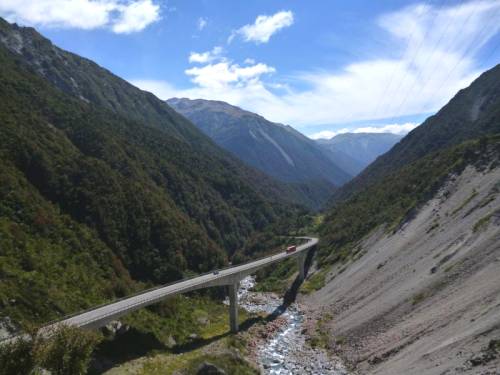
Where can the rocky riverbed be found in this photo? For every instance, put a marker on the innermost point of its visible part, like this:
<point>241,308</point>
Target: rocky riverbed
<point>282,348</point>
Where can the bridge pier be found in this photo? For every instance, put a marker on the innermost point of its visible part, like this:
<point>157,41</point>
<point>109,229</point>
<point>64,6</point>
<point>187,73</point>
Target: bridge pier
<point>301,261</point>
<point>233,306</point>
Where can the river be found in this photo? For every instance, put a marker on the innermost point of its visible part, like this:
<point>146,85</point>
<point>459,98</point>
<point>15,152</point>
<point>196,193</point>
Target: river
<point>286,352</point>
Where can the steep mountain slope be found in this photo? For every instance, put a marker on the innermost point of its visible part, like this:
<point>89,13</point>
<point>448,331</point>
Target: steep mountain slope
<point>91,83</point>
<point>411,268</point>
<point>89,197</point>
<point>409,257</point>
<point>474,111</point>
<point>354,151</point>
<point>275,149</point>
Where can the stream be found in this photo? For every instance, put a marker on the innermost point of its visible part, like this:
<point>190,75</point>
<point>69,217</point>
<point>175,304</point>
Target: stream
<point>285,351</point>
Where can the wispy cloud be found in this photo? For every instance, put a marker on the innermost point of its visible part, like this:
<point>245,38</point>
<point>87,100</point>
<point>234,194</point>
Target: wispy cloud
<point>264,27</point>
<point>205,57</point>
<point>202,23</point>
<point>437,57</point>
<point>400,129</point>
<point>120,16</point>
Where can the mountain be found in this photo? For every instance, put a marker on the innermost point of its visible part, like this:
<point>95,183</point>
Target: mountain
<point>397,254</point>
<point>84,79</point>
<point>471,113</point>
<point>276,149</point>
<point>354,151</point>
<point>94,202</point>
<point>414,235</point>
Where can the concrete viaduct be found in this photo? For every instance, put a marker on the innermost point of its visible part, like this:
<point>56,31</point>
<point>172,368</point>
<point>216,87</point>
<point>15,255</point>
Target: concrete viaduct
<point>100,316</point>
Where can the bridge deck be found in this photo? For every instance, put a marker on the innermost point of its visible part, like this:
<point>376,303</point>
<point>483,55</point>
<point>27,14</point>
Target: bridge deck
<point>101,315</point>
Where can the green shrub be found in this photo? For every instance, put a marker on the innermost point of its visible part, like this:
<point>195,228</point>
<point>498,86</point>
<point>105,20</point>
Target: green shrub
<point>66,351</point>
<point>482,223</point>
<point>16,357</point>
<point>417,298</point>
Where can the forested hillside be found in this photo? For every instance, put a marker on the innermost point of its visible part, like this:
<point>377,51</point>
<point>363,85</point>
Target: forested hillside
<point>90,199</point>
<point>87,81</point>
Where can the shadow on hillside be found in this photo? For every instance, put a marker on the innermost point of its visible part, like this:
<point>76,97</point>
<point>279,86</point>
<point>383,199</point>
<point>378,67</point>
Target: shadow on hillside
<point>122,348</point>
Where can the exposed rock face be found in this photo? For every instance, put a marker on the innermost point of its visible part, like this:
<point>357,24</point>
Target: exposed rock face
<point>8,328</point>
<point>425,299</point>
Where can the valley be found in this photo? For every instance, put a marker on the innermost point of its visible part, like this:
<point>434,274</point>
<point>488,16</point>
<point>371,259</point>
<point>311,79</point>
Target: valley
<point>174,232</point>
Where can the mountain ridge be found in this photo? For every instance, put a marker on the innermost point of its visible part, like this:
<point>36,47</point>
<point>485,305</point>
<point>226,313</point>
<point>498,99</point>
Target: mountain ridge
<point>276,149</point>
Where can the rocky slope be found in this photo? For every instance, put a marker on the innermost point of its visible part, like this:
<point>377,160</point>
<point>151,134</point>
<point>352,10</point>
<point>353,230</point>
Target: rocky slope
<point>424,298</point>
<point>275,149</point>
<point>410,270</point>
<point>354,151</point>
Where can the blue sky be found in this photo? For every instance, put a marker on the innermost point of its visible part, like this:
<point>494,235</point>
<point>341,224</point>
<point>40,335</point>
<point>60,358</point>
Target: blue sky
<point>323,67</point>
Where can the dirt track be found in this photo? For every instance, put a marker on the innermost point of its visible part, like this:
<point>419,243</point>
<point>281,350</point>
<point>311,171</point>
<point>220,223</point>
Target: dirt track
<point>425,300</point>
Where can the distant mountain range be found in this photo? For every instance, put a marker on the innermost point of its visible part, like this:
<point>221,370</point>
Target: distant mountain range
<point>276,149</point>
<point>354,151</point>
<point>280,150</point>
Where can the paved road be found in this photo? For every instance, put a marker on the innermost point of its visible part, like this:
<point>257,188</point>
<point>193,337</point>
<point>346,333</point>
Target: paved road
<point>100,316</point>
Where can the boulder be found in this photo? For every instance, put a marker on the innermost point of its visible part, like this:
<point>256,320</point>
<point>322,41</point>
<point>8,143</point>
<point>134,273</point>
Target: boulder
<point>207,368</point>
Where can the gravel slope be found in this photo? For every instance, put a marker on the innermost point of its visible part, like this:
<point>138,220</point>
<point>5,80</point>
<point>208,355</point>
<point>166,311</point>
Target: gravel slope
<point>426,299</point>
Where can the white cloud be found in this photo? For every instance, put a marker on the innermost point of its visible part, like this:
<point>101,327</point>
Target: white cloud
<point>433,65</point>
<point>136,16</point>
<point>205,57</point>
<point>264,27</point>
<point>121,16</point>
<point>400,129</point>
<point>220,75</point>
<point>202,23</point>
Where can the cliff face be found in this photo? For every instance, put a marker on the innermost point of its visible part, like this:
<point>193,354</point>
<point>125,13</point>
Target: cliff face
<point>425,298</point>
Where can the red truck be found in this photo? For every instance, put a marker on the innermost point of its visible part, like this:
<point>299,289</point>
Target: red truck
<point>290,249</point>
